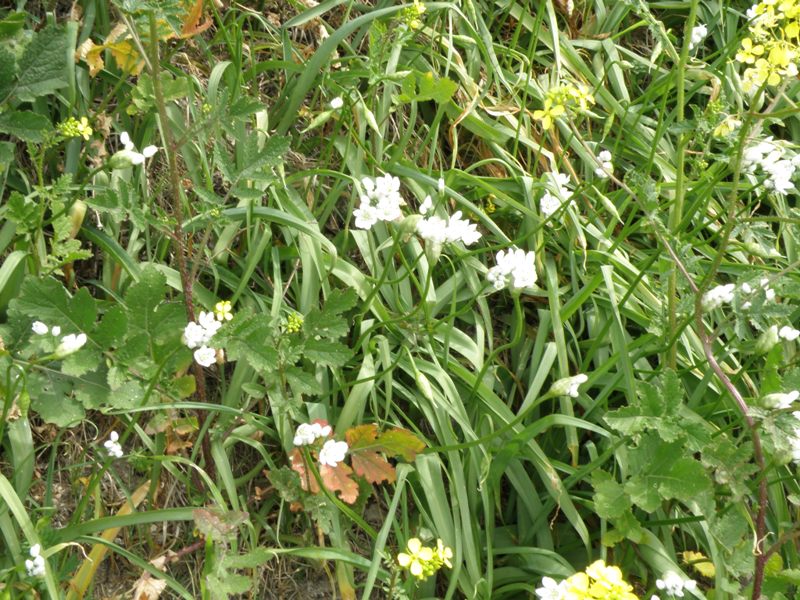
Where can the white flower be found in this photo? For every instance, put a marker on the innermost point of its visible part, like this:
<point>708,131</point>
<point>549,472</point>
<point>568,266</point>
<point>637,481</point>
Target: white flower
<point>113,446</point>
<point>199,333</point>
<point>699,33</point>
<point>789,333</point>
<point>461,230</point>
<point>794,442</point>
<point>337,103</point>
<point>381,202</point>
<point>568,386</point>
<point>716,297</point>
<point>551,589</point>
<point>606,166</point>
<point>674,584</point>
<point>769,294</point>
<point>549,204</point>
<point>71,343</point>
<point>440,184</point>
<point>39,328</point>
<point>35,565</point>
<point>205,356</point>
<point>437,231</point>
<point>129,154</point>
<point>426,205</point>
<point>515,268</point>
<point>746,288</point>
<point>55,330</point>
<point>561,180</point>
<point>781,401</point>
<point>332,453</point>
<point>308,433</point>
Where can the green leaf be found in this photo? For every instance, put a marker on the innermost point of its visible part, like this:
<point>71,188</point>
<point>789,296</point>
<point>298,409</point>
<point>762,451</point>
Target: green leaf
<point>112,328</point>
<point>249,338</point>
<point>228,584</point>
<point>12,23</point>
<point>249,560</point>
<point>610,499</point>
<point>686,480</point>
<point>328,353</point>
<point>43,67</point>
<point>8,70</point>
<point>81,362</point>
<point>51,397</point>
<point>326,322</point>
<point>422,87</point>
<point>48,301</point>
<point>302,382</point>
<point>26,125</point>
<point>270,155</point>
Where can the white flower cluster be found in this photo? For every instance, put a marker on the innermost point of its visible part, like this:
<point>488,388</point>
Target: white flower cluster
<point>774,161</point>
<point>40,328</point>
<point>332,453</point>
<point>438,231</point>
<point>551,201</point>
<point>606,167</point>
<point>672,583</point>
<point>380,202</point>
<point>515,268</point>
<point>113,446</point>
<point>197,336</point>
<point>129,153</point>
<point>35,564</point>
<point>717,296</point>
<point>568,386</point>
<point>699,33</point>
<point>769,293</point>
<point>780,400</point>
<point>307,433</point>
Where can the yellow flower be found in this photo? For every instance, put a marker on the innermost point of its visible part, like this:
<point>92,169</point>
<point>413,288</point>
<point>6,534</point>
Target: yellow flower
<point>294,323</point>
<point>444,554</point>
<point>72,128</point>
<point>416,559</point>
<point>749,52</point>
<point>549,114</point>
<point>222,310</point>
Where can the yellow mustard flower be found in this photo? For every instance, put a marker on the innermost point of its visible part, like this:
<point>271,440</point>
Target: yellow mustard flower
<point>416,558</point>
<point>222,310</point>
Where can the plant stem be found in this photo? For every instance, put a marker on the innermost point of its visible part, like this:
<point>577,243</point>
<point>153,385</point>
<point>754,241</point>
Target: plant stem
<point>177,234</point>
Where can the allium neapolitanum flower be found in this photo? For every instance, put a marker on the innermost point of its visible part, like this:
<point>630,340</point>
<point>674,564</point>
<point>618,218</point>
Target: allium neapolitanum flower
<point>598,582</point>
<point>514,268</point>
<point>699,33</point>
<point>113,446</point>
<point>562,99</point>
<point>35,564</point>
<point>128,155</point>
<point>568,386</point>
<point>717,296</point>
<point>606,167</point>
<point>70,343</point>
<point>672,583</point>
<point>381,201</point>
<point>770,51</point>
<point>337,103</point>
<point>423,561</point>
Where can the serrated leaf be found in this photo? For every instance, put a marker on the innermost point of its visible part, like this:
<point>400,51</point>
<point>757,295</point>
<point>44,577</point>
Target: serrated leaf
<point>81,362</point>
<point>302,382</point>
<point>644,493</point>
<point>422,87</point>
<point>43,66</point>
<point>26,125</point>
<point>227,585</point>
<point>686,480</point>
<point>270,155</point>
<point>400,442</point>
<point>327,352</point>
<point>339,479</point>
<point>92,389</point>
<point>129,395</point>
<point>48,301</point>
<point>298,464</point>
<point>248,337</point>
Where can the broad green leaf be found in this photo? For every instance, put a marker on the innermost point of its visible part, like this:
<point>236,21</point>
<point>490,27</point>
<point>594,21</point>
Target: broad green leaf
<point>302,382</point>
<point>610,499</point>
<point>51,397</point>
<point>47,300</point>
<point>326,352</point>
<point>686,480</point>
<point>26,125</point>
<point>43,67</point>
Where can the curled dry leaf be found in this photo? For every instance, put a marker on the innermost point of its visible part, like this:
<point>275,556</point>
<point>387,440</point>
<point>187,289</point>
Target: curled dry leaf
<point>148,587</point>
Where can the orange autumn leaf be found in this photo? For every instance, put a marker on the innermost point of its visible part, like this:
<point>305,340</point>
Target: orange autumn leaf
<point>307,480</point>
<point>191,22</point>
<point>366,461</point>
<point>338,479</point>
